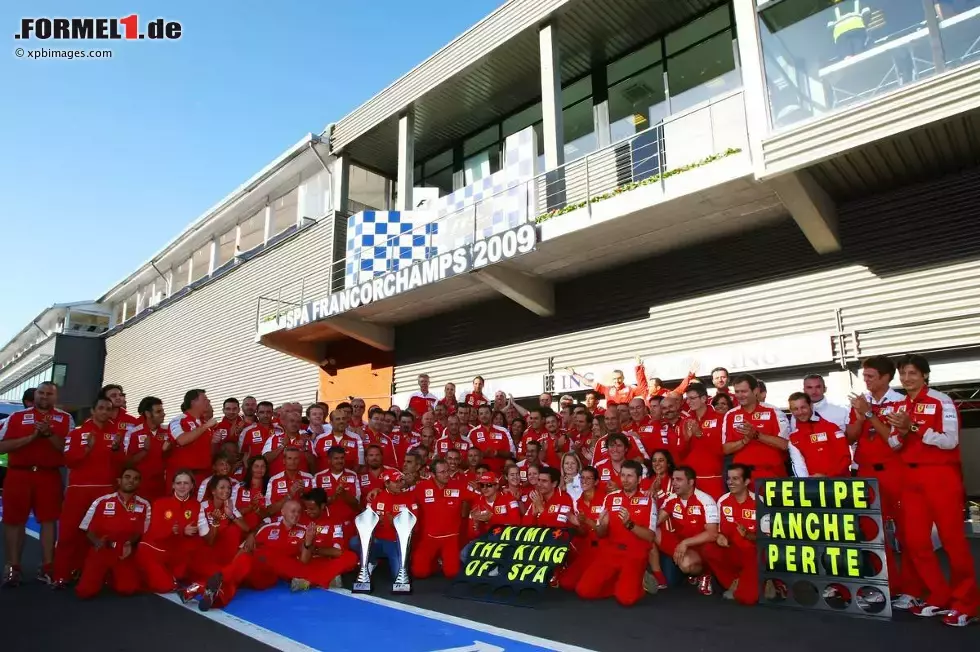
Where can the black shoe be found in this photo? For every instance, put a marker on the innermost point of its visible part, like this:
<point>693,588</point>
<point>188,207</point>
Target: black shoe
<point>210,592</point>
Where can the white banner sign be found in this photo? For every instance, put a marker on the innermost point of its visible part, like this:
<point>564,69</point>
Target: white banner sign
<point>494,249</point>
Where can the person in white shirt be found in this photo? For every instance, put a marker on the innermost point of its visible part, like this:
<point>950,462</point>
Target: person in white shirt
<point>815,387</point>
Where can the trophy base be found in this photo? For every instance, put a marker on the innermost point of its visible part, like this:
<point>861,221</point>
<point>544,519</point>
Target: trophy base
<point>361,587</point>
<point>401,587</point>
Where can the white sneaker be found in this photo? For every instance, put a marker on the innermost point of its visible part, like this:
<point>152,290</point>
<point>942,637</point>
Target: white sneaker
<point>958,619</point>
<point>928,611</point>
<point>904,602</point>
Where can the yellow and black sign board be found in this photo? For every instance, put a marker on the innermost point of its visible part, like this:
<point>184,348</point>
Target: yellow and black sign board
<point>821,545</point>
<point>514,557</point>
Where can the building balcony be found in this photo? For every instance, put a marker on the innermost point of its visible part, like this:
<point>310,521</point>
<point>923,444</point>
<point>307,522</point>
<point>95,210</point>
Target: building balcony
<point>900,74</point>
<point>517,232</point>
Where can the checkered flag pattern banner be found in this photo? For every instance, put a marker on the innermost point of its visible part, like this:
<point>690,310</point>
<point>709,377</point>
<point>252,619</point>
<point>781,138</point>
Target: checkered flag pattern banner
<point>379,242</point>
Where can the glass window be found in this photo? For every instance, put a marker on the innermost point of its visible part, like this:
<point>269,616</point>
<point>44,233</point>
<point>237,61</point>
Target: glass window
<point>131,307</point>
<point>822,56</point>
<point>201,258</point>
<point>698,30</point>
<point>576,92</point>
<point>529,116</point>
<point>580,137</point>
<point>226,247</point>
<point>59,374</point>
<point>442,179</point>
<point>367,189</point>
<point>481,141</point>
<point>180,279</point>
<point>438,162</point>
<point>959,30</point>
<point>482,153</point>
<point>283,212</point>
<point>702,72</point>
<point>253,234</point>
<point>637,103</point>
<point>631,63</point>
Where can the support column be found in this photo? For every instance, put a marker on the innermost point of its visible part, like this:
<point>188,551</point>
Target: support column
<point>268,224</point>
<point>600,105</point>
<point>340,182</point>
<point>213,255</point>
<point>553,127</point>
<point>753,79</point>
<point>406,161</point>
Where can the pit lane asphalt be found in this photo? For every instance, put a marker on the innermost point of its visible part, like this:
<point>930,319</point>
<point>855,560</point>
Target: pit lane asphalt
<point>33,617</point>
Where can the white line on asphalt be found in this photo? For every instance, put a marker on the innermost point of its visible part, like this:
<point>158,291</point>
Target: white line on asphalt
<point>464,622</point>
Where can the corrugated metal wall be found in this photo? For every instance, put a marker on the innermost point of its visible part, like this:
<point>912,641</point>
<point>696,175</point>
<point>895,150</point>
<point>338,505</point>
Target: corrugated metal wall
<point>909,257</point>
<point>207,339</point>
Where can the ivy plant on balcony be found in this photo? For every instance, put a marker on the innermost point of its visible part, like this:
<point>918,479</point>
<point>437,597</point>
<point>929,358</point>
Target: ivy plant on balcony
<point>619,190</point>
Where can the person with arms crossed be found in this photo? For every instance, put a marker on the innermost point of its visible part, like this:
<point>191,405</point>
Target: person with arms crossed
<point>34,440</point>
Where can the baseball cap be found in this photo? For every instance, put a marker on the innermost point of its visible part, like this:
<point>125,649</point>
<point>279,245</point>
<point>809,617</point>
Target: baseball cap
<point>392,475</point>
<point>486,478</point>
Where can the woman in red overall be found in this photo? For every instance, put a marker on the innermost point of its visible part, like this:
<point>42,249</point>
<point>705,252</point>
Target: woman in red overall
<point>588,506</point>
<point>164,554</point>
<point>221,526</point>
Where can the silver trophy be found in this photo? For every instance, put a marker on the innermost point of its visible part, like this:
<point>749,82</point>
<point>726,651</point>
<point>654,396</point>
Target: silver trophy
<point>365,522</point>
<point>404,524</point>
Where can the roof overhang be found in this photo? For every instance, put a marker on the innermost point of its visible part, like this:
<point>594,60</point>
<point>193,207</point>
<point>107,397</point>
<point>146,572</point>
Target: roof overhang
<point>239,204</point>
<point>493,69</point>
<point>41,327</point>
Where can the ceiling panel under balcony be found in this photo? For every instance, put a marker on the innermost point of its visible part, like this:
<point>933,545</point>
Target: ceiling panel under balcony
<point>929,152</point>
<point>508,78</point>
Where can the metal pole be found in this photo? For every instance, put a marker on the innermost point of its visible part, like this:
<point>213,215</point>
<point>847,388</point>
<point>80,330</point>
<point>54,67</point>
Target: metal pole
<point>588,187</point>
<point>935,38</point>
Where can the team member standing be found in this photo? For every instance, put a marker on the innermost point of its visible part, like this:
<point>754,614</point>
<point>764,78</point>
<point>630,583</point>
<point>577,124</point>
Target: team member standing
<point>290,437</point>
<point>252,439</point>
<point>626,531</point>
<point>476,397</point>
<point>342,487</point>
<point>443,510</point>
<point>751,432</point>
<point>689,523</point>
<point>817,447</point>
<point>114,525</point>
<point>705,454</point>
<point>122,420</point>
<point>147,447</point>
<point>599,449</point>
<point>870,432</point>
<point>610,468</point>
<point>927,431</point>
<point>339,437</point>
<point>34,439</point>
<point>734,560</point>
<point>94,455</point>
<point>493,441</point>
<point>619,392</point>
<point>554,442</point>
<point>421,401</point>
<point>231,425</point>
<point>588,507</point>
<point>192,436</point>
<point>171,541</point>
<point>452,439</point>
<point>289,484</point>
